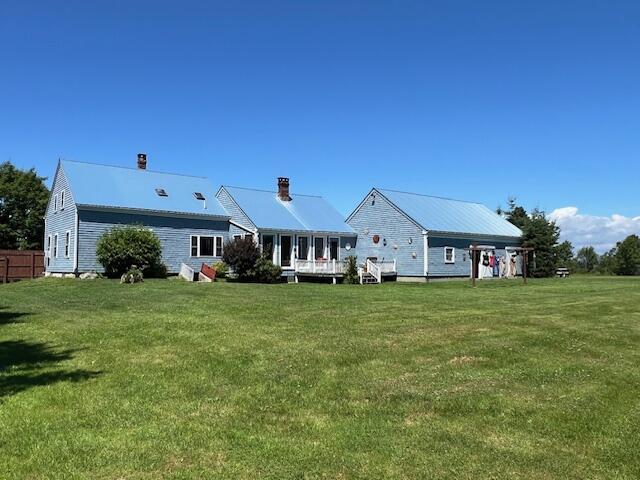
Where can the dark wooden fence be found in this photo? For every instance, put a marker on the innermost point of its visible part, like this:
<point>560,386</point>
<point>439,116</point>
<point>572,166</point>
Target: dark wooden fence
<point>19,264</point>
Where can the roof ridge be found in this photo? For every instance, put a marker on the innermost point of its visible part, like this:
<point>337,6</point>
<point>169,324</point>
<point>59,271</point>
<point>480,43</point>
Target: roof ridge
<point>132,168</point>
<point>429,196</point>
<point>273,191</point>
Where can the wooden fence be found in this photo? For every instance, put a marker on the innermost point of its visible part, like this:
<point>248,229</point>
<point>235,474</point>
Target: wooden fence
<point>19,264</point>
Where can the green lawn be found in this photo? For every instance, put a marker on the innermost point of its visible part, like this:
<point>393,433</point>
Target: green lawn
<point>174,380</point>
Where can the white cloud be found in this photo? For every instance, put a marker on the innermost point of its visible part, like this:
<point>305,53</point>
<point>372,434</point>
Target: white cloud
<point>600,232</point>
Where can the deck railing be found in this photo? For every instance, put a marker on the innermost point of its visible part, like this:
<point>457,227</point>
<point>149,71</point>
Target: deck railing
<point>325,267</point>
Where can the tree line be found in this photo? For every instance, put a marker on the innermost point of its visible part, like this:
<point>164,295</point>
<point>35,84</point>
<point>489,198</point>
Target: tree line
<point>550,254</point>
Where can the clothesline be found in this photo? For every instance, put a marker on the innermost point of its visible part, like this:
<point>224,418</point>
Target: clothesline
<point>475,252</point>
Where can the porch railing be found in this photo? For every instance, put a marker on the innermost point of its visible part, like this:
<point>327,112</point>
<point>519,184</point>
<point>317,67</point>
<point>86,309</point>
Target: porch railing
<point>327,267</point>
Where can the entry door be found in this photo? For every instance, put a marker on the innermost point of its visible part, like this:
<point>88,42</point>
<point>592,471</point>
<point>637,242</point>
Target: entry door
<point>286,245</point>
<point>334,248</point>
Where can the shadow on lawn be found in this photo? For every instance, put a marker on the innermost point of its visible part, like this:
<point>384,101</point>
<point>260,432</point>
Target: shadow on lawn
<point>25,364</point>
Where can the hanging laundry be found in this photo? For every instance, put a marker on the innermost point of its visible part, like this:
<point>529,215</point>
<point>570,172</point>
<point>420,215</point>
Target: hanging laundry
<point>512,265</point>
<point>503,267</point>
<point>496,266</point>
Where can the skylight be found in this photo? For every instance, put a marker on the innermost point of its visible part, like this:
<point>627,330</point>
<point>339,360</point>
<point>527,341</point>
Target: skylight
<point>198,195</point>
<point>161,192</point>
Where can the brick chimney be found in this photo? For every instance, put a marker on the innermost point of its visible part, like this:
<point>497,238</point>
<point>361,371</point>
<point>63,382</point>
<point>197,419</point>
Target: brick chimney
<point>142,161</point>
<point>283,189</point>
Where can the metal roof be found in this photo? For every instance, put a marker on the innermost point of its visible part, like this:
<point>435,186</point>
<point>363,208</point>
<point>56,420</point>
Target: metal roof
<point>301,213</point>
<point>445,215</point>
<point>132,188</point>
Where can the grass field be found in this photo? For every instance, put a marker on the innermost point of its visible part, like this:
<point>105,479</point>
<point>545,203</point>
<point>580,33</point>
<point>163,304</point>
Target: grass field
<point>173,380</point>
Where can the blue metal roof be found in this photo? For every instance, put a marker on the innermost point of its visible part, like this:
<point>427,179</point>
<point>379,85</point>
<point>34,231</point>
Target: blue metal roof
<point>445,215</point>
<point>302,213</point>
<point>133,188</point>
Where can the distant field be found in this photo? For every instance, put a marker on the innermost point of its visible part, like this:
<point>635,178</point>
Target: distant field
<point>185,381</point>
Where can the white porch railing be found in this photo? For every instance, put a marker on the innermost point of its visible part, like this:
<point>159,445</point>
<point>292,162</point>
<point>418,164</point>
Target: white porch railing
<point>375,270</point>
<point>325,267</point>
<point>387,267</point>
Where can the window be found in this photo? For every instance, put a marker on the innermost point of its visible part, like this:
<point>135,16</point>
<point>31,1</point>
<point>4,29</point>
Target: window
<point>162,192</point>
<point>449,255</point>
<point>55,245</point>
<point>319,248</point>
<point>67,241</point>
<point>267,245</point>
<point>249,235</point>
<point>206,246</point>
<point>237,237</point>
<point>303,248</point>
<point>334,248</point>
<point>198,195</point>
<point>62,200</point>
<point>49,246</point>
<point>286,245</point>
<point>55,202</point>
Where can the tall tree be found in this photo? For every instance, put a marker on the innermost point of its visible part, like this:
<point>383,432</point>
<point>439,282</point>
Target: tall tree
<point>564,254</point>
<point>23,200</point>
<point>539,233</point>
<point>628,256</point>
<point>587,259</point>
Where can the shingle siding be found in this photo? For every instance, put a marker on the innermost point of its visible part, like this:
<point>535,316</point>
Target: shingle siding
<point>462,265</point>
<point>59,221</point>
<point>404,239</point>
<point>237,215</point>
<point>174,234</point>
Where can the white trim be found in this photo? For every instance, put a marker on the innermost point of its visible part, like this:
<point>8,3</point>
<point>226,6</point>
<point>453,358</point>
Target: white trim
<point>198,241</point>
<point>62,199</point>
<point>324,247</point>
<point>239,225</point>
<point>75,241</point>
<point>425,240</point>
<point>55,203</point>
<point>55,247</point>
<point>453,255</point>
<point>292,261</point>
<point>49,245</point>
<point>67,244</point>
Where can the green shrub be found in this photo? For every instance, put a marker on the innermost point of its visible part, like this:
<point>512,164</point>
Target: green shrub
<point>241,255</point>
<point>122,247</point>
<point>221,268</point>
<point>265,271</point>
<point>133,275</point>
<point>351,270</point>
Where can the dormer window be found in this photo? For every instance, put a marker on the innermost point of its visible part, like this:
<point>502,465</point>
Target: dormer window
<point>161,192</point>
<point>198,196</point>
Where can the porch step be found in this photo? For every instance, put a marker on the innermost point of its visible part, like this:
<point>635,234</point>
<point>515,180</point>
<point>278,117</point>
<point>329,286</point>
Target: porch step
<point>368,279</point>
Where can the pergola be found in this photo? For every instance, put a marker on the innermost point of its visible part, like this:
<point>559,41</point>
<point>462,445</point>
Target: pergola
<point>474,253</point>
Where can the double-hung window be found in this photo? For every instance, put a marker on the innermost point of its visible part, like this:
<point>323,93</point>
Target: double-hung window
<point>62,200</point>
<point>67,242</point>
<point>55,246</point>
<point>55,202</point>
<point>449,255</point>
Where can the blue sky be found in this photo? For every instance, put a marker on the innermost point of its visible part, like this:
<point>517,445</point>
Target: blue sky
<point>464,99</point>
